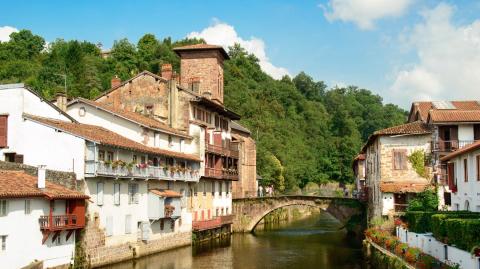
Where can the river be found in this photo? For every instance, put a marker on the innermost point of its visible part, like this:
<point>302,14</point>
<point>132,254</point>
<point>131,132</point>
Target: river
<point>313,242</point>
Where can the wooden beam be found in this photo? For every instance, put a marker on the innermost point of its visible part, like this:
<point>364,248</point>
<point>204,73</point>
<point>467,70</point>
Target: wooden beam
<point>70,232</point>
<point>45,236</point>
<point>57,234</point>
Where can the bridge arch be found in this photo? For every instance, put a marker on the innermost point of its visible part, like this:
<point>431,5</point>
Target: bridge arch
<point>250,211</point>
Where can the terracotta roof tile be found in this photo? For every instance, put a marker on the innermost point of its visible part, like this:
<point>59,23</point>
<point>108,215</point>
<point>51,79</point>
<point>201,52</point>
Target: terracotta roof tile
<point>166,193</point>
<point>15,184</point>
<point>461,151</point>
<point>437,116</point>
<point>424,108</point>
<point>103,136</point>
<point>202,47</point>
<point>133,116</point>
<point>403,187</point>
<point>416,127</point>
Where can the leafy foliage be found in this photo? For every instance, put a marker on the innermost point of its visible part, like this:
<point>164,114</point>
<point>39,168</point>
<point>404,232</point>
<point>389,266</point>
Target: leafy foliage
<point>424,201</point>
<point>417,159</point>
<point>305,132</point>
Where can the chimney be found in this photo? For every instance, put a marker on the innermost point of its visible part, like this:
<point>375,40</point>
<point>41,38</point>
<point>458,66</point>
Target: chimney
<point>41,176</point>
<point>62,101</point>
<point>166,71</point>
<point>116,81</point>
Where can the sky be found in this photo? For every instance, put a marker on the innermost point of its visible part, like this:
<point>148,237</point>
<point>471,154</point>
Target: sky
<point>403,50</point>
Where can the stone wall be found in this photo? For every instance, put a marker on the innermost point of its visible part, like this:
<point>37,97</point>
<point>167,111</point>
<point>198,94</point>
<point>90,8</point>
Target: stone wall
<point>98,254</point>
<point>66,179</point>
<point>246,186</point>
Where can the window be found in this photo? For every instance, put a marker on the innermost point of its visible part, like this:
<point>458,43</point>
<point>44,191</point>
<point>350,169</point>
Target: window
<point>170,141</point>
<point>204,188</point>
<point>116,193</point>
<point>134,159</point>
<point>227,187</point>
<point>110,156</point>
<point>133,193</point>
<point>101,155</point>
<point>465,169</point>
<point>478,167</point>
<point>3,242</point>
<point>195,190</point>
<point>82,111</point>
<point>3,131</point>
<point>399,159</point>
<point>27,207</point>
<point>3,207</point>
<point>220,188</point>
<point>128,224</point>
<point>99,193</point>
<point>213,188</point>
<point>170,185</point>
<point>182,142</point>
<point>109,226</point>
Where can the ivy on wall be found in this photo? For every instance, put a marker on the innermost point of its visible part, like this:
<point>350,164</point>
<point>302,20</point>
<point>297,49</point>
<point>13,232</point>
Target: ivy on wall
<point>417,159</point>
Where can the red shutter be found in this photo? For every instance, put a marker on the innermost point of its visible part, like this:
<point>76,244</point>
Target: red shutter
<point>3,131</point>
<point>451,177</point>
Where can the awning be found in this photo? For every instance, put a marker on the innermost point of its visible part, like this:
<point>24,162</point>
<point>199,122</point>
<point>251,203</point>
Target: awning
<point>166,193</point>
<point>403,187</point>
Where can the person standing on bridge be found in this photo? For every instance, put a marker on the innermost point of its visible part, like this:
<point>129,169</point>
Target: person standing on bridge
<point>260,191</point>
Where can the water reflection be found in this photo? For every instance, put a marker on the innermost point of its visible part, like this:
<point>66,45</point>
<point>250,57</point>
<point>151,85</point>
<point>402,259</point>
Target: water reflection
<point>315,242</point>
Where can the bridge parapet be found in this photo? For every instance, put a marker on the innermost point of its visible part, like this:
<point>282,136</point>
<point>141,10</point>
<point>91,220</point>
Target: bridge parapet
<point>249,211</point>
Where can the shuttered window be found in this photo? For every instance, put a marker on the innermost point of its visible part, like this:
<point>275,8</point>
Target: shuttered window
<point>100,193</point>
<point>465,169</point>
<point>109,226</point>
<point>3,131</point>
<point>478,167</point>
<point>128,224</point>
<point>399,159</point>
<point>116,193</point>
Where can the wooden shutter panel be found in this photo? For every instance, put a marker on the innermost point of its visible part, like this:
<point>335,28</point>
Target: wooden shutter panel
<point>478,167</point>
<point>3,131</point>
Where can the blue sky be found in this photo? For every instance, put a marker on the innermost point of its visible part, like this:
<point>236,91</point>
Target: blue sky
<point>405,51</point>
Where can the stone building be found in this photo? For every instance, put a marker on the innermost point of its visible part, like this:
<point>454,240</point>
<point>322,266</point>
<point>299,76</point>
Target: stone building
<point>192,103</point>
<point>391,178</point>
<point>359,173</point>
<point>247,185</point>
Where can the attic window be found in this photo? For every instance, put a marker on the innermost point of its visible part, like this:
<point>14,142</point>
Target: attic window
<point>82,111</point>
<point>443,105</point>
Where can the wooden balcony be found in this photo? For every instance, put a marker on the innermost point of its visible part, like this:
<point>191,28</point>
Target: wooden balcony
<point>60,222</point>
<point>231,174</point>
<point>230,150</point>
<point>451,145</point>
<point>214,223</point>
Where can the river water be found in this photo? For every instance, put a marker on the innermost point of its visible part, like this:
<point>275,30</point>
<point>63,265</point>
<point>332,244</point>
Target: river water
<point>313,242</point>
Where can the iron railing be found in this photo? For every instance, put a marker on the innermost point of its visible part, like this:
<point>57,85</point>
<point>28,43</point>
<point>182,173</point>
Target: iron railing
<point>451,145</point>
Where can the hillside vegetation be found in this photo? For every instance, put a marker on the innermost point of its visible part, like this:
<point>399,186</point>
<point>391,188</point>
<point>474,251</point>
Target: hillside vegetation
<point>305,132</point>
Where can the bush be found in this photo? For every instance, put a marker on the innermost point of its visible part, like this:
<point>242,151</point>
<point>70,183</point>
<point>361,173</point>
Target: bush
<point>424,201</point>
<point>423,221</point>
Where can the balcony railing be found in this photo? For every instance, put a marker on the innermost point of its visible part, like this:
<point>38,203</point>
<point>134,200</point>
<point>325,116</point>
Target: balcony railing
<point>230,150</point>
<point>150,172</point>
<point>400,207</point>
<point>59,222</point>
<point>451,145</point>
<point>231,174</point>
<point>213,223</point>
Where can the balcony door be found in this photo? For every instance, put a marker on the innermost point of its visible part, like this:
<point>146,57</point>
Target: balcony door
<point>448,138</point>
<point>476,132</point>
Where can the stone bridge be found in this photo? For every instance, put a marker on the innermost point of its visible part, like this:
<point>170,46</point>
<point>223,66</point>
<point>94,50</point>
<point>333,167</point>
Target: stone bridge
<point>250,211</point>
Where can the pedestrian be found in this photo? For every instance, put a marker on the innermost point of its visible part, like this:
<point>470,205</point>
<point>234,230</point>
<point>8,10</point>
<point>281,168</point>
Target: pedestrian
<point>260,191</point>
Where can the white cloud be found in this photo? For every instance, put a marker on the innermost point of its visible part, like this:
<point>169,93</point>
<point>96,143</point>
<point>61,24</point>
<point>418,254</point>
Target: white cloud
<point>364,13</point>
<point>448,64</point>
<point>225,35</point>
<point>5,32</point>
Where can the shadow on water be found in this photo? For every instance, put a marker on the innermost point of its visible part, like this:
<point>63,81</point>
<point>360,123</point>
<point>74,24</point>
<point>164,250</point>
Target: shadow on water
<point>313,242</point>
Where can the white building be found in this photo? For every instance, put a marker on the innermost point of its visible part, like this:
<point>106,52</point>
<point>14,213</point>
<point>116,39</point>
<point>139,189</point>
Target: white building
<point>463,177</point>
<point>38,220</point>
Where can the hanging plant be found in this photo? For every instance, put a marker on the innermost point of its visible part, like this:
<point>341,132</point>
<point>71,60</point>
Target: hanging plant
<point>417,159</point>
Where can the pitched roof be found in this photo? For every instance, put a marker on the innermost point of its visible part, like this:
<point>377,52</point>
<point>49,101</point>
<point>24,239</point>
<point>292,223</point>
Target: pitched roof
<point>200,47</point>
<point>403,187</point>
<point>237,126</point>
<point>416,127</point>
<point>101,135</point>
<point>16,184</point>
<point>133,117</point>
<point>461,151</point>
<point>424,108</point>
<point>143,73</point>
<point>439,116</point>
<point>165,193</point>
<point>411,128</point>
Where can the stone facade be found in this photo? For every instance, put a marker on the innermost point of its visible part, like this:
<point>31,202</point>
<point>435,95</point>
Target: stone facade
<point>205,68</point>
<point>246,186</point>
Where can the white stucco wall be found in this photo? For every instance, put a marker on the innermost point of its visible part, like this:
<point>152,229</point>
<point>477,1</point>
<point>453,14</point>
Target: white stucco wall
<point>388,203</point>
<point>24,237</point>
<point>470,190</point>
<point>40,145</point>
<point>222,199</point>
<point>465,132</point>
